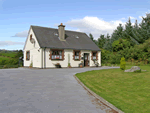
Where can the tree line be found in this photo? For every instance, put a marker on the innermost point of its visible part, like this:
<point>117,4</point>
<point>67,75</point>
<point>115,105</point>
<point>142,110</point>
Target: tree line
<point>131,42</point>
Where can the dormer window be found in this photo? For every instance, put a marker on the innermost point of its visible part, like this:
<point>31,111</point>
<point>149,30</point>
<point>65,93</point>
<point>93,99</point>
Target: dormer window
<point>76,36</point>
<point>55,34</point>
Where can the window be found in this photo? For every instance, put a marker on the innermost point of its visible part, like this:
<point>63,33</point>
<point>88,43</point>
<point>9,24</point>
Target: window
<point>57,54</point>
<point>76,36</point>
<point>76,55</point>
<point>27,55</point>
<point>94,55</point>
<point>55,34</point>
<point>30,36</point>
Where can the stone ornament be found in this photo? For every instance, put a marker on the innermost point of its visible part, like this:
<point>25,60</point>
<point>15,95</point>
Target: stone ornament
<point>133,68</point>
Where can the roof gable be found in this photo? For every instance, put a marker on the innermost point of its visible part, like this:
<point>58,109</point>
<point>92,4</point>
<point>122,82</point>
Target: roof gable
<point>28,45</point>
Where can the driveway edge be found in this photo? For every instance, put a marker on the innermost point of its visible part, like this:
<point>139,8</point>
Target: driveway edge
<point>98,97</point>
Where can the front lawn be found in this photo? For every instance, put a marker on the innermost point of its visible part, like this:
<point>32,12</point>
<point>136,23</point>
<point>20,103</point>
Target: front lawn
<point>129,92</point>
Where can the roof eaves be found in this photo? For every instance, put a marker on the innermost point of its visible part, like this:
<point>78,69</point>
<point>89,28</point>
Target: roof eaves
<point>70,48</point>
<point>36,36</point>
<point>27,38</point>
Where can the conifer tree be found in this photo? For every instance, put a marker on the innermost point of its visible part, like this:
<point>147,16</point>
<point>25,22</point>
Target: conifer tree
<point>101,41</point>
<point>128,33</point>
<point>117,33</point>
<point>145,27</point>
<point>91,36</point>
<point>136,33</point>
<point>108,37</point>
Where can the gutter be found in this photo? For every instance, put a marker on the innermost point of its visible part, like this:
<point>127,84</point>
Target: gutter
<point>72,48</point>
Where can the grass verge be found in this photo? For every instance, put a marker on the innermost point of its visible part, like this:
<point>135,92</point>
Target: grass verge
<point>127,91</point>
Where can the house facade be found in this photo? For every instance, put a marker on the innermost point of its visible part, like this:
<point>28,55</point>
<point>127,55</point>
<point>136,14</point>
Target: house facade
<point>45,47</point>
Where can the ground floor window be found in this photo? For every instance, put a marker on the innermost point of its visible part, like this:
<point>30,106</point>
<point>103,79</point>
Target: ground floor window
<point>56,54</point>
<point>76,55</point>
<point>94,55</point>
<point>27,55</point>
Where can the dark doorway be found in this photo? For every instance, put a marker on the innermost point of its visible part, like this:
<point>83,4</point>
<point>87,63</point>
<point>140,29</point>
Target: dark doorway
<point>86,59</point>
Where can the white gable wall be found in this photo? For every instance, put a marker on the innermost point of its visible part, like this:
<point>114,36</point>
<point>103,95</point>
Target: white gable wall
<point>35,55</point>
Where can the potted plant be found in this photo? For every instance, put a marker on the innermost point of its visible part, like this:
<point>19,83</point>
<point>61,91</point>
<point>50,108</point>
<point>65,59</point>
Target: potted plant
<point>58,65</point>
<point>57,57</point>
<point>69,65</point>
<point>96,63</point>
<point>81,64</point>
<point>31,65</point>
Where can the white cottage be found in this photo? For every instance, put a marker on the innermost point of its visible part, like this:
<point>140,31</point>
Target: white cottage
<point>45,47</point>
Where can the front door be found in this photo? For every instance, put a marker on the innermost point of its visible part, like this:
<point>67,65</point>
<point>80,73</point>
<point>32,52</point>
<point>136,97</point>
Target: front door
<point>86,59</point>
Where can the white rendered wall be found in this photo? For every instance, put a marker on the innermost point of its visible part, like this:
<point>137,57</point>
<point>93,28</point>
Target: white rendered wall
<point>35,55</point>
<point>64,63</point>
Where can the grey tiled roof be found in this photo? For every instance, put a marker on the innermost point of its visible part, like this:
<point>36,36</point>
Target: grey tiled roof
<point>46,38</point>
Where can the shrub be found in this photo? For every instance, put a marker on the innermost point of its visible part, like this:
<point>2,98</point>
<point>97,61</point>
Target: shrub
<point>3,62</point>
<point>149,60</point>
<point>68,64</point>
<point>122,63</point>
<point>5,66</point>
<point>57,65</point>
<point>31,64</point>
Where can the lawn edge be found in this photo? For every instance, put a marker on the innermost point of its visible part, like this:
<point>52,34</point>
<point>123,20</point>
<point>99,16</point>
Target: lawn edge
<point>98,97</point>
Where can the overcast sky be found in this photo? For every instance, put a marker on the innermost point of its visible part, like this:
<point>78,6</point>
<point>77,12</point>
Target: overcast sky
<point>89,16</point>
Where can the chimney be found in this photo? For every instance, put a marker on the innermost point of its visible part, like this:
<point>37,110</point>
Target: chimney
<point>61,32</point>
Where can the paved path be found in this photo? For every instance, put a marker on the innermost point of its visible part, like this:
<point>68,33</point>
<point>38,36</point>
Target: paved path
<point>45,91</point>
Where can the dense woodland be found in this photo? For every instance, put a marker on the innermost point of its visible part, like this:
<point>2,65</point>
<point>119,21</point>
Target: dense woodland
<point>132,42</point>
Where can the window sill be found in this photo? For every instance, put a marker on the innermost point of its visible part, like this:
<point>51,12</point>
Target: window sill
<point>76,60</point>
<point>56,59</point>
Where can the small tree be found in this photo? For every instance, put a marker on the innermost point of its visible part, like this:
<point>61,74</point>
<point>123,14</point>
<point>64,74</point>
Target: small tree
<point>122,63</point>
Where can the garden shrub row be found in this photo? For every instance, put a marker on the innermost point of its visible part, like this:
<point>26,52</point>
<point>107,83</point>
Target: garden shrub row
<point>8,66</point>
<point>135,54</point>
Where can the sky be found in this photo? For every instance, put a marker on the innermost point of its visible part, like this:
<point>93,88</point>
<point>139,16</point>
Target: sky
<point>90,16</point>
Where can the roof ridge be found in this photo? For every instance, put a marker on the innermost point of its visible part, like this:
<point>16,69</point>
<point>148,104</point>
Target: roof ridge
<point>55,28</point>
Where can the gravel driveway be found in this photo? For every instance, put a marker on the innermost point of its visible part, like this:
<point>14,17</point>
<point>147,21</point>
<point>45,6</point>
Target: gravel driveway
<point>46,91</point>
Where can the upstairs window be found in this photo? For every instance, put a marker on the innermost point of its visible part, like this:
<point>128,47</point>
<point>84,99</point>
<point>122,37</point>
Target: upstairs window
<point>27,55</point>
<point>30,36</point>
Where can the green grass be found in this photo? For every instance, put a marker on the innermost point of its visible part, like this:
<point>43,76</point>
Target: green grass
<point>4,58</point>
<point>8,54</point>
<point>129,92</point>
<point>8,66</point>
